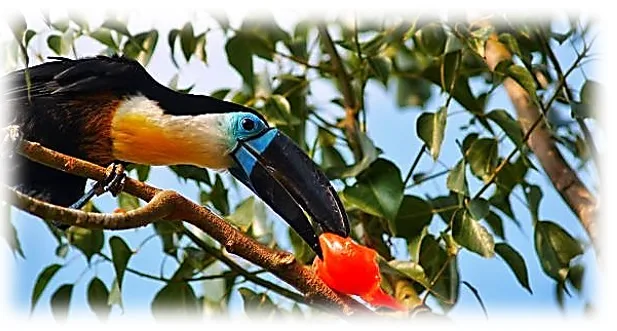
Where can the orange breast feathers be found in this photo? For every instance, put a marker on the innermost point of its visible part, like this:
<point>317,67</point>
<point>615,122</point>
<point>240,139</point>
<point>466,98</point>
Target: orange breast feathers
<point>141,133</point>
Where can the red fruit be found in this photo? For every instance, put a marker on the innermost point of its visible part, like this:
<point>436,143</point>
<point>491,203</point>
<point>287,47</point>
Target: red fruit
<point>352,269</point>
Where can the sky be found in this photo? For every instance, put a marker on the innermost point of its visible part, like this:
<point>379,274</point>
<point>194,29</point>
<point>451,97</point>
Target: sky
<point>392,129</point>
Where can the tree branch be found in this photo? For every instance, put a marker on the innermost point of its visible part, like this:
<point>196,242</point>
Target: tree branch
<point>173,206</point>
<point>565,180</point>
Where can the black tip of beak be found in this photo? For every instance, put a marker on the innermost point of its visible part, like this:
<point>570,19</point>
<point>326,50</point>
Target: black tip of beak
<point>286,179</point>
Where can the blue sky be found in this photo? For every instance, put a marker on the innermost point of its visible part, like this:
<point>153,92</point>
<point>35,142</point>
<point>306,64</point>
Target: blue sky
<point>392,130</point>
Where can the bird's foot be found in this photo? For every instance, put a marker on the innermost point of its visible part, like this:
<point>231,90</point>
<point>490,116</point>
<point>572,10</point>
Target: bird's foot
<point>11,140</point>
<point>114,179</point>
<point>112,183</point>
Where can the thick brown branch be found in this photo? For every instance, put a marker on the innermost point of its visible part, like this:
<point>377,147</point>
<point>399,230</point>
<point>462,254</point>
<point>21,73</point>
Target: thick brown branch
<point>281,264</point>
<point>576,195</point>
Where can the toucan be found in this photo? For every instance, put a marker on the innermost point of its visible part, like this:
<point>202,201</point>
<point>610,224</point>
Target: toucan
<point>110,111</point>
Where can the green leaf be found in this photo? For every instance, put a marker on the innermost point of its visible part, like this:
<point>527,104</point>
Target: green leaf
<point>524,79</point>
<point>28,36</point>
<point>412,92</point>
<point>41,283</point>
<point>369,155</point>
<point>18,25</point>
<point>482,157</point>
<point>141,46</point>
<point>413,216</point>
<point>220,94</point>
<point>97,298</point>
<point>115,296</point>
<point>430,128</point>
<point>410,269</point>
<point>10,235</point>
<point>127,202</point>
<point>555,248</point>
<point>176,299</point>
<point>533,193</point>
<point>448,71</point>
<point>588,100</point>
<point>281,103</point>
<point>510,41</point>
<point>478,208</point>
<point>575,276</point>
<point>432,39</point>
<point>302,251</point>
<point>473,236</point>
<point>103,36</point>
<point>378,191</point>
<point>495,223</point>
<point>381,66</point>
<point>143,171</point>
<point>435,261</point>
<point>120,254</point>
<point>217,195</point>
<point>187,41</point>
<point>243,216</point>
<point>169,232</point>
<point>257,304</point>
<point>58,44</point>
<point>457,181</point>
<point>240,57</point>
<point>515,261</point>
<point>60,302</point>
<point>508,124</point>
<point>88,241</point>
<point>62,250</point>
<point>116,25</point>
<point>61,25</point>
<point>200,48</point>
<point>186,172</point>
<point>171,41</point>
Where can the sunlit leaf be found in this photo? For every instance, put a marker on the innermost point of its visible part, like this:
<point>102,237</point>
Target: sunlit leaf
<point>457,180</point>
<point>473,236</point>
<point>555,248</point>
<point>482,157</point>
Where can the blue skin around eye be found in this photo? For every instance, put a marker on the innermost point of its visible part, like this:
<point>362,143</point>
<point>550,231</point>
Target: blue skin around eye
<point>238,132</point>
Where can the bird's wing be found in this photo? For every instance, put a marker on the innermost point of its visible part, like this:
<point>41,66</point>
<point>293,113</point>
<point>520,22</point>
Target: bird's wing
<point>64,76</point>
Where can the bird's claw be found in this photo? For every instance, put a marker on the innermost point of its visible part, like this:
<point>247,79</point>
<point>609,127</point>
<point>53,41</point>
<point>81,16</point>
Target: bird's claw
<point>113,181</point>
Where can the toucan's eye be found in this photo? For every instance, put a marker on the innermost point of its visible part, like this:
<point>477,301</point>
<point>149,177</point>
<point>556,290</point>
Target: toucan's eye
<point>248,124</point>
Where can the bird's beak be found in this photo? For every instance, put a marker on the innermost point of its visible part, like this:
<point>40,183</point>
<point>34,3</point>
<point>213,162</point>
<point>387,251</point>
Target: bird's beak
<point>286,179</point>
